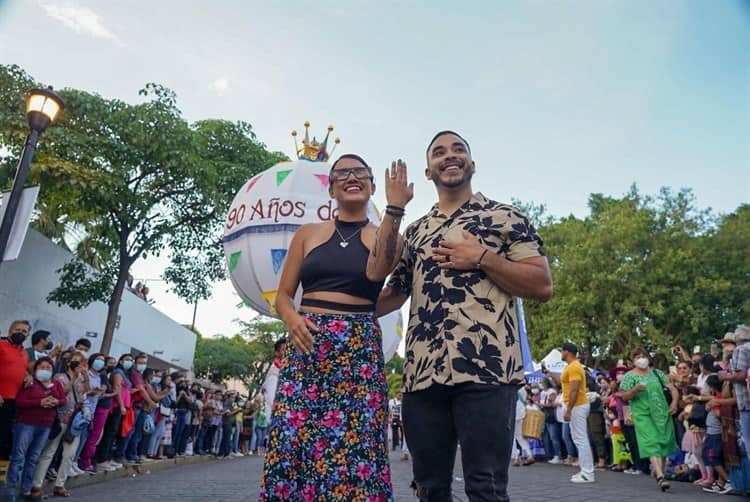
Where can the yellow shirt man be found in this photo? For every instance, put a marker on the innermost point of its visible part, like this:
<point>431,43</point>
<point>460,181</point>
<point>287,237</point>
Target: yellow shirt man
<point>574,372</point>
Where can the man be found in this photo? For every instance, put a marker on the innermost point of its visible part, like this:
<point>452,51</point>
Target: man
<point>462,264</point>
<point>14,362</point>
<point>394,407</point>
<point>738,374</point>
<point>42,346</point>
<point>83,345</point>
<point>272,377</point>
<point>577,408</point>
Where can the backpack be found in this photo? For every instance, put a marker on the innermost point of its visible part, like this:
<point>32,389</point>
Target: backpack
<point>697,416</point>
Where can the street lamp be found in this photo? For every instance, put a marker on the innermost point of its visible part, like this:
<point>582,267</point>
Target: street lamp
<point>42,108</point>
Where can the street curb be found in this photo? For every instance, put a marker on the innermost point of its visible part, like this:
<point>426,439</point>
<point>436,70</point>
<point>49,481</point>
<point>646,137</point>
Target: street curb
<point>133,471</point>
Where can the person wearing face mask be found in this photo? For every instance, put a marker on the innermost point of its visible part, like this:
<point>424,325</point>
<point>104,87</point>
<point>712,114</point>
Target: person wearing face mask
<point>14,363</point>
<point>100,402</point>
<point>163,413</point>
<point>75,387</point>
<point>42,346</point>
<point>141,404</point>
<point>36,405</point>
<point>116,407</point>
<point>643,387</point>
<point>122,384</point>
<point>82,346</point>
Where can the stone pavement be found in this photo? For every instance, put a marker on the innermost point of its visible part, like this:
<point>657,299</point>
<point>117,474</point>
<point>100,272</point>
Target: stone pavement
<point>238,480</point>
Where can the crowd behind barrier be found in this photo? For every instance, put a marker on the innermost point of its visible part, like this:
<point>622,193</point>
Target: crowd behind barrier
<point>68,412</point>
<point>690,421</point>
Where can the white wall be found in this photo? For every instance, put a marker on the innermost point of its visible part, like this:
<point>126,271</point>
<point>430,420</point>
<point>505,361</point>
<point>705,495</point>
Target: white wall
<point>26,282</point>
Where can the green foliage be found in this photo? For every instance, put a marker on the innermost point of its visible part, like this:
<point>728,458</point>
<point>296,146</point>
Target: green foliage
<point>645,271</point>
<point>245,356</point>
<point>395,383</point>
<point>127,181</point>
<point>395,365</point>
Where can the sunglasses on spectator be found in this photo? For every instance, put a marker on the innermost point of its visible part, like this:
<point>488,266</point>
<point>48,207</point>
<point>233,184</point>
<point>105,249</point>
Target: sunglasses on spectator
<point>359,172</point>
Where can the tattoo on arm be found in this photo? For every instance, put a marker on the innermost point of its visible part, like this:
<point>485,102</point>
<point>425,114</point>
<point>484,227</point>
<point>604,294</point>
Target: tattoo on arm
<point>392,242</point>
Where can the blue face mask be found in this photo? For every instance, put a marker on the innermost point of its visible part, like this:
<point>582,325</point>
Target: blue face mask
<point>43,375</point>
<point>140,368</point>
<point>98,365</point>
<point>127,364</point>
<point>156,380</point>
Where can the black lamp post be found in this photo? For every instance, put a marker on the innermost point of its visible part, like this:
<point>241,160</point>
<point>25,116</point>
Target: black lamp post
<point>42,107</point>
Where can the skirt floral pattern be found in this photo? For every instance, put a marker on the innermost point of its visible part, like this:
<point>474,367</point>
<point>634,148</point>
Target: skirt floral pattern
<point>327,439</point>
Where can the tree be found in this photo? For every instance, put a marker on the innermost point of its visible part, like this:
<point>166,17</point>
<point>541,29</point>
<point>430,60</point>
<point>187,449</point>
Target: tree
<point>245,356</point>
<point>134,180</point>
<point>639,270</point>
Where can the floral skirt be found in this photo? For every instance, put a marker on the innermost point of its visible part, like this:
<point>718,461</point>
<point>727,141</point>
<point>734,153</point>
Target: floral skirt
<point>327,439</point>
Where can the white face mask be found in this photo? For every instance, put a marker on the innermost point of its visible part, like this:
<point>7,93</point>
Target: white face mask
<point>641,363</point>
<point>535,391</point>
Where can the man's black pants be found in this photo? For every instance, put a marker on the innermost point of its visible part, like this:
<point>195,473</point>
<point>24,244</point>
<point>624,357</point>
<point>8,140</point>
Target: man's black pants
<point>396,433</point>
<point>478,416</point>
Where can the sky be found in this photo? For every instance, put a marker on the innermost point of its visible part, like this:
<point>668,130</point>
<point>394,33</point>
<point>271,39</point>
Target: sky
<point>557,99</point>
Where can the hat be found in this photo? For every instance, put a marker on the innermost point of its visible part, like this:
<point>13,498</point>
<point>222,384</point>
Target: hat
<point>728,338</point>
<point>617,369</point>
<point>570,347</point>
<point>742,333</point>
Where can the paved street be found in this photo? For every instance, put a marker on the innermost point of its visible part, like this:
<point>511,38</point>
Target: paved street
<point>238,480</point>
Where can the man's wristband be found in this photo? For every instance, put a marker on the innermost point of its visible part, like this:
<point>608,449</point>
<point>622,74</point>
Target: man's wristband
<point>479,262</point>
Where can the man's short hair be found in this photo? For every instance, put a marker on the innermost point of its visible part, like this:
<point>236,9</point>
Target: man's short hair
<point>20,321</point>
<point>38,336</point>
<point>443,133</point>
<point>279,343</point>
<point>83,341</point>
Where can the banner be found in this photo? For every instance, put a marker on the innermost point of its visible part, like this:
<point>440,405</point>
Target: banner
<point>21,221</point>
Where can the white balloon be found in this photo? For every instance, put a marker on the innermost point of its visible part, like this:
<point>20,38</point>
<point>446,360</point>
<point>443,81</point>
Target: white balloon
<point>260,225</point>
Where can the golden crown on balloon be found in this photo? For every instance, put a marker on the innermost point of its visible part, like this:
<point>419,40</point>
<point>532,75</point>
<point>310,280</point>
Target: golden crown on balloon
<point>312,149</point>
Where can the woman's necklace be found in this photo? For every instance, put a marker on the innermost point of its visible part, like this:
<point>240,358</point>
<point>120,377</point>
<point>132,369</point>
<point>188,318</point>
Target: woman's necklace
<point>345,240</point>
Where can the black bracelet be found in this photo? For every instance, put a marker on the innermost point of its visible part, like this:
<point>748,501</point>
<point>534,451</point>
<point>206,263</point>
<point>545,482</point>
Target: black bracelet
<point>395,214</point>
<point>479,263</point>
<point>395,208</point>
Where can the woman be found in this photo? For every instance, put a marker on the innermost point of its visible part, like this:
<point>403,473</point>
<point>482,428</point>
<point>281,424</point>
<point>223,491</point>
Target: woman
<point>101,405</point>
<point>203,442</point>
<point>552,428</point>
<point>520,440</point>
<point>163,414</point>
<point>123,386</point>
<point>643,388</point>
<point>248,416</point>
<point>260,424</point>
<point>37,406</point>
<point>105,449</point>
<point>75,387</point>
<point>332,395</point>
<point>570,448</point>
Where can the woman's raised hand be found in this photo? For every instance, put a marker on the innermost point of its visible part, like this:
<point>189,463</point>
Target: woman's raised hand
<point>398,190</point>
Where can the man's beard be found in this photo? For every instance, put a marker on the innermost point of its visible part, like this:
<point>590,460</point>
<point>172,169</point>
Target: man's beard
<point>455,183</point>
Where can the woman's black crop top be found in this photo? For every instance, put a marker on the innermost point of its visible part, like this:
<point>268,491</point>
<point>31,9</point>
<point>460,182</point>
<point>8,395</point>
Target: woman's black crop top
<point>341,269</point>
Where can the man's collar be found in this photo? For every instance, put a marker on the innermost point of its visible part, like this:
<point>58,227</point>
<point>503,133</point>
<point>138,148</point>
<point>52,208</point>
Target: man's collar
<point>477,197</point>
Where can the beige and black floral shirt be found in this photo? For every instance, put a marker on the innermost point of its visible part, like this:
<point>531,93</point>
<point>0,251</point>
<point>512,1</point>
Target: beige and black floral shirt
<point>462,327</point>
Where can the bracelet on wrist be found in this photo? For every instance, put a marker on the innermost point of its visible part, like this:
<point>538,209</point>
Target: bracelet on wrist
<point>479,263</point>
<point>395,208</point>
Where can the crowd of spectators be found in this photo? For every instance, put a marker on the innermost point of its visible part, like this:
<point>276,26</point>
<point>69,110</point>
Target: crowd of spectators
<point>67,412</point>
<point>689,422</point>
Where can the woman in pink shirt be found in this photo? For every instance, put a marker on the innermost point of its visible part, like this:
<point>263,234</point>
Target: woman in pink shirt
<point>37,406</point>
